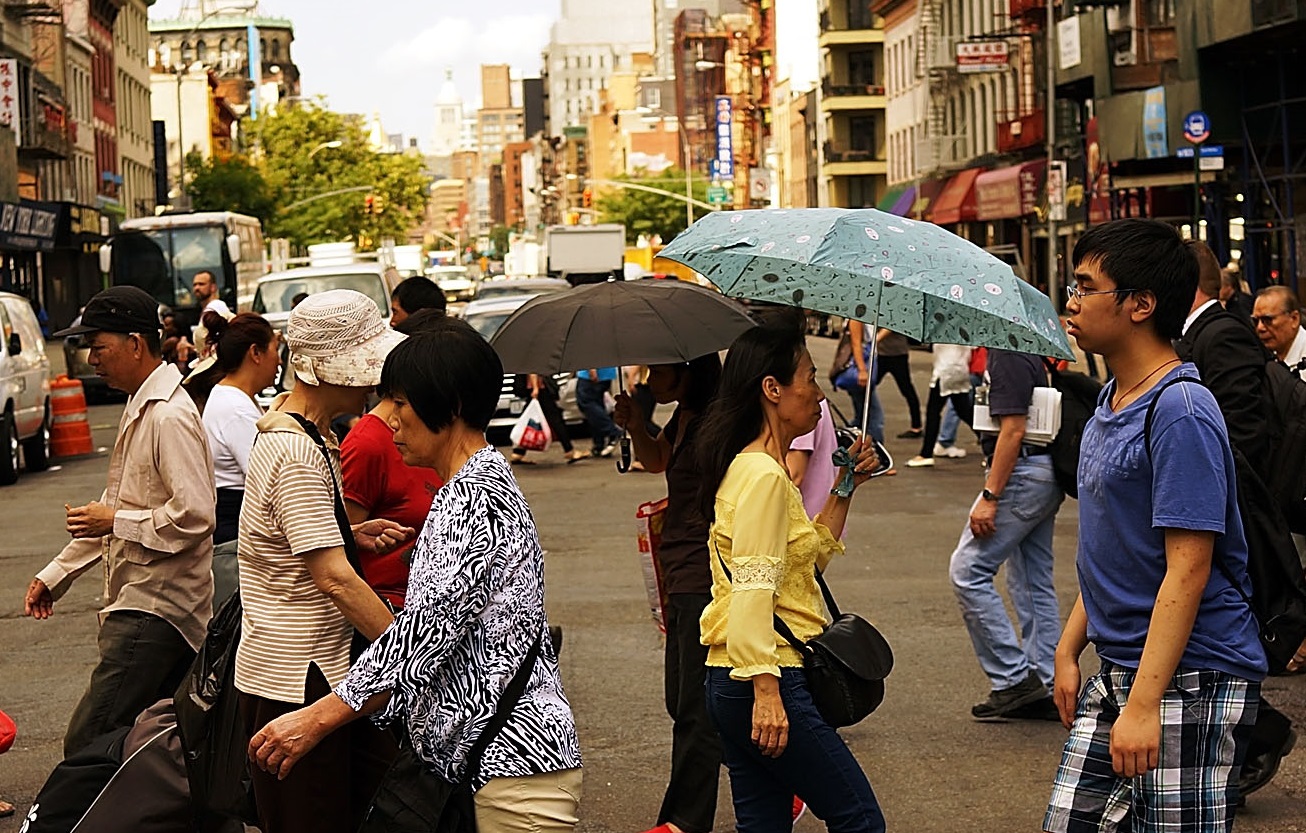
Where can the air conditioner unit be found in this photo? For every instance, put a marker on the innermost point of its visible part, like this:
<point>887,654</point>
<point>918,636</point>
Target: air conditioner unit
<point>1015,128</point>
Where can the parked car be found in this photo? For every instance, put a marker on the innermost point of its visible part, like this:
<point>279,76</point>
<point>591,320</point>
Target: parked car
<point>486,316</point>
<point>24,390</point>
<point>455,281</point>
<point>505,287</point>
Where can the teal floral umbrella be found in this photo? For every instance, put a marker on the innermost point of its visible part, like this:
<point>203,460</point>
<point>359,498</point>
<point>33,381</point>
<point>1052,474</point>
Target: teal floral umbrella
<point>888,271</point>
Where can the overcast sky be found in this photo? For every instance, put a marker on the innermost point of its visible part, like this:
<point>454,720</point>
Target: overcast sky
<point>390,56</point>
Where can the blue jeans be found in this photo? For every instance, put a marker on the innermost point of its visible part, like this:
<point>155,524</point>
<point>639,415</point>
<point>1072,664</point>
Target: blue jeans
<point>589,398</point>
<point>1026,516</point>
<point>875,420</point>
<point>817,765</point>
<point>948,428</point>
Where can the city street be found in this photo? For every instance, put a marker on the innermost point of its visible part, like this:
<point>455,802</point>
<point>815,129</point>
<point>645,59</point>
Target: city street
<point>932,766</point>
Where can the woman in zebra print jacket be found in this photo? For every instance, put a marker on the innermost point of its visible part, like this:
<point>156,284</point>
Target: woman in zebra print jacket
<point>474,609</point>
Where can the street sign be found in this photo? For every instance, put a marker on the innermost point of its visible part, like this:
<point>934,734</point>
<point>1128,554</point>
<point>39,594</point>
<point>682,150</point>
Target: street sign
<point>1210,158</point>
<point>1207,150</point>
<point>717,194</point>
<point>1197,127</point>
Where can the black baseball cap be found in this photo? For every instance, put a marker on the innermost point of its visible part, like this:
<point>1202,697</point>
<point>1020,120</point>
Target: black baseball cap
<point>118,309</point>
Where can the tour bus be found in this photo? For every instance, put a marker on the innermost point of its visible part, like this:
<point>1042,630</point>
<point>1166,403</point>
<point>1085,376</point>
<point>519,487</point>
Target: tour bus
<point>162,254</point>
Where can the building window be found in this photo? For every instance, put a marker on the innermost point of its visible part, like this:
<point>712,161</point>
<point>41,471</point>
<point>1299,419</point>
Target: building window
<point>861,133</point>
<point>187,53</point>
<point>859,15</point>
<point>861,68</point>
<point>201,52</point>
<point>276,49</point>
<point>1160,12</point>
<point>861,192</point>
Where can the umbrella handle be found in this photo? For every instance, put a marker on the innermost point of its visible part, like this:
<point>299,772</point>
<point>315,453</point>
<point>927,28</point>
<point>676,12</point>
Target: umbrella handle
<point>870,381</point>
<point>623,463</point>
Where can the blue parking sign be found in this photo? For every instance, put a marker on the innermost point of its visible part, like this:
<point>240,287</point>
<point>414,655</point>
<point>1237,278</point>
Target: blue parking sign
<point>1197,127</point>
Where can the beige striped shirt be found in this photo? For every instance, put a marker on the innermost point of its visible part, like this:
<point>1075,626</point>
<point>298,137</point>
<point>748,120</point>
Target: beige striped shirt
<point>288,511</point>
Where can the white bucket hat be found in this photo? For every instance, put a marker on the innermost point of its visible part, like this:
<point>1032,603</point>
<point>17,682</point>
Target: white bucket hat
<point>338,337</point>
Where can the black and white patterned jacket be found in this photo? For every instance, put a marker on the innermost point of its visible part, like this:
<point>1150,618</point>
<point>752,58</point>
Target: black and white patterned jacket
<point>475,604</point>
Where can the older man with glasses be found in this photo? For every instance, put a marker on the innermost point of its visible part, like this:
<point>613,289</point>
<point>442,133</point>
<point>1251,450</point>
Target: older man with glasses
<point>1277,315</point>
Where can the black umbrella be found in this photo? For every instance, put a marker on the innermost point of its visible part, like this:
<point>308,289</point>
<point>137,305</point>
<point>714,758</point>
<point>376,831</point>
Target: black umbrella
<point>618,323</point>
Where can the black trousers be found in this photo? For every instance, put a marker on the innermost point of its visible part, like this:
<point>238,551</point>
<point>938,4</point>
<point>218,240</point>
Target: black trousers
<point>961,403</point>
<point>900,369</point>
<point>690,800</point>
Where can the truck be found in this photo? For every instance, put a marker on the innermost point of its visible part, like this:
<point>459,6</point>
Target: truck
<point>586,254</point>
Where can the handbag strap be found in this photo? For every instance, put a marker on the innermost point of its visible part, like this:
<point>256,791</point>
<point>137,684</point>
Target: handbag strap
<point>779,624</point>
<point>835,409</point>
<point>342,517</point>
<point>511,695</point>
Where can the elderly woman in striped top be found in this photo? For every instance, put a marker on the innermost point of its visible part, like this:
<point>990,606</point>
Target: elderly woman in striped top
<point>302,598</point>
<point>466,666</point>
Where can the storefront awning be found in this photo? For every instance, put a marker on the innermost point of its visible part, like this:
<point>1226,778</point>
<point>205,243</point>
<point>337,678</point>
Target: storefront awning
<point>957,201</point>
<point>1009,192</point>
<point>898,200</point>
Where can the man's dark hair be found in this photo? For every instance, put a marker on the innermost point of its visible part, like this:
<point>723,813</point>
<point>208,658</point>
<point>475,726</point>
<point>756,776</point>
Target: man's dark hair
<point>1208,269</point>
<point>1142,255</point>
<point>153,342</point>
<point>418,293</point>
<point>448,371</point>
<point>422,321</point>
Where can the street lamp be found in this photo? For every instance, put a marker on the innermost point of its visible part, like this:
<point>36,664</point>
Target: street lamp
<point>334,143</point>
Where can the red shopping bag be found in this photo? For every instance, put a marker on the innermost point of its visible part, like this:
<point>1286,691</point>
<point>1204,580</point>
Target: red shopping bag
<point>8,731</point>
<point>648,520</point>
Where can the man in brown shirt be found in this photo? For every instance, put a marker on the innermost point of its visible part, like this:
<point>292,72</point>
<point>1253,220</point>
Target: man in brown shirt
<point>152,528</point>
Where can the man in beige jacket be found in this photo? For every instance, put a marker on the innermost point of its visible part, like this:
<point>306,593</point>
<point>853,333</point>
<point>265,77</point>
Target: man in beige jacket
<point>152,528</point>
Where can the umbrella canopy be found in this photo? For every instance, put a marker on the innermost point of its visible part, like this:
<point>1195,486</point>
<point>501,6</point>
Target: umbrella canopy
<point>909,276</point>
<point>618,323</point>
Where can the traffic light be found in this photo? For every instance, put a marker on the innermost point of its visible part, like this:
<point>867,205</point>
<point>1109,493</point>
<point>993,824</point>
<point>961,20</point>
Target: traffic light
<point>587,197</point>
<point>369,204</point>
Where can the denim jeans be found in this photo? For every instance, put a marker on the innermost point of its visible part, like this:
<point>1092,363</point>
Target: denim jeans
<point>817,765</point>
<point>589,398</point>
<point>875,420</point>
<point>948,427</point>
<point>142,660</point>
<point>1026,515</point>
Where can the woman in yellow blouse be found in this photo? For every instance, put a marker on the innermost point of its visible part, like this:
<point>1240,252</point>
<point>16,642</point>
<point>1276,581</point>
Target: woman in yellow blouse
<point>764,551</point>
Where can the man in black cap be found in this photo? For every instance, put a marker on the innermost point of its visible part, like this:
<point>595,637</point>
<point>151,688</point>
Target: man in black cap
<point>152,527</point>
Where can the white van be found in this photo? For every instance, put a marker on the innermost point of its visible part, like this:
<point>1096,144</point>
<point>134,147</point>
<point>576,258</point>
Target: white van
<point>24,390</point>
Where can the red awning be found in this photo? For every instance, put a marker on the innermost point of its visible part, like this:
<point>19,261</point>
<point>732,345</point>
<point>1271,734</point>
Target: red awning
<point>957,201</point>
<point>1009,192</point>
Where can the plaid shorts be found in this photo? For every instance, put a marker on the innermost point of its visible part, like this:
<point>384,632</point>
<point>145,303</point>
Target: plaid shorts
<point>1206,723</point>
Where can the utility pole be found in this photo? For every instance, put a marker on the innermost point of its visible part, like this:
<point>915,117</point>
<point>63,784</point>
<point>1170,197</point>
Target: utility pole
<point>1050,102</point>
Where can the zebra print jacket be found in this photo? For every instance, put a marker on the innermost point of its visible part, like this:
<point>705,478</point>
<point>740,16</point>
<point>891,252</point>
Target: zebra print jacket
<point>475,604</point>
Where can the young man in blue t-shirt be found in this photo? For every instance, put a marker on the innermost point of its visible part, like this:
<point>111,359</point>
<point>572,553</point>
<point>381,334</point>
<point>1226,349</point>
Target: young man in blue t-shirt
<point>1159,734</point>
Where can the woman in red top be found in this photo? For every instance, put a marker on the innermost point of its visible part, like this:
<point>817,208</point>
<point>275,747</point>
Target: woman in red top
<point>377,483</point>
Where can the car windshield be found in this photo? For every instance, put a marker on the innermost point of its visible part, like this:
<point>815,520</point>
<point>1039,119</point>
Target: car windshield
<point>278,295</point>
<point>163,262</point>
<point>491,290</point>
<point>488,323</point>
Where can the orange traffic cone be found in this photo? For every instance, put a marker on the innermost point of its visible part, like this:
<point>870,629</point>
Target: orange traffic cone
<point>70,430</point>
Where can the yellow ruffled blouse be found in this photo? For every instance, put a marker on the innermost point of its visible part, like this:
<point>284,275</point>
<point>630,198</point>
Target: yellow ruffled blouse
<point>771,547</point>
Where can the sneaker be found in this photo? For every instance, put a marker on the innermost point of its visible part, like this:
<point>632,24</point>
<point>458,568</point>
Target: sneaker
<point>1002,703</point>
<point>1045,709</point>
<point>799,808</point>
<point>1261,767</point>
<point>607,449</point>
<point>952,451</point>
<point>918,462</point>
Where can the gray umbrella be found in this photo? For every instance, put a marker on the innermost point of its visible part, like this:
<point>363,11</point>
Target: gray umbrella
<point>618,323</point>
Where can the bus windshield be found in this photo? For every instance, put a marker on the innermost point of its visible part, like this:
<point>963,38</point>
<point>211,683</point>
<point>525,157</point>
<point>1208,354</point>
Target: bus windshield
<point>164,261</point>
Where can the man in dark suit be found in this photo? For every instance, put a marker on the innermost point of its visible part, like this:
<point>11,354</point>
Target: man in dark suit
<point>1232,360</point>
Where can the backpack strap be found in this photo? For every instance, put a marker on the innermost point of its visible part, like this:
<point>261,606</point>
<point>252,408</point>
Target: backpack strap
<point>342,517</point>
<point>511,696</point>
<point>1147,443</point>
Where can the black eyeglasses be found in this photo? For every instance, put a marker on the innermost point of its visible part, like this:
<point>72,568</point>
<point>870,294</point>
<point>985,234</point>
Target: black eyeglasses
<point>1074,293</point>
<point>1267,320</point>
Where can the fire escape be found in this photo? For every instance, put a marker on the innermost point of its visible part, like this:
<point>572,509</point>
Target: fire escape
<point>945,138</point>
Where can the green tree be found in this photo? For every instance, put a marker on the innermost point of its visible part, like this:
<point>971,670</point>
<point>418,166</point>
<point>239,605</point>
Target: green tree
<point>231,184</point>
<point>307,151</point>
<point>649,214</point>
<point>499,241</point>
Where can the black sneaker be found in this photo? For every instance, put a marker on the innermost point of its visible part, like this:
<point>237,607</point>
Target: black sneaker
<point>1045,709</point>
<point>1261,767</point>
<point>1001,703</point>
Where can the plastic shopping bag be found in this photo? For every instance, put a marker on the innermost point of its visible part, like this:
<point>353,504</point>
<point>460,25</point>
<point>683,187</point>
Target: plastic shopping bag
<point>532,430</point>
<point>649,519</point>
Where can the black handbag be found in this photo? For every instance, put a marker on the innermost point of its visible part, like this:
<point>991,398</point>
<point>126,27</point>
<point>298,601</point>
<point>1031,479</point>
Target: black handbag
<point>413,799</point>
<point>845,665</point>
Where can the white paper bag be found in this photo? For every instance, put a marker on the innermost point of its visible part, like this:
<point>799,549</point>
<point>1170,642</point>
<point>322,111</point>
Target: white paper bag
<point>532,430</point>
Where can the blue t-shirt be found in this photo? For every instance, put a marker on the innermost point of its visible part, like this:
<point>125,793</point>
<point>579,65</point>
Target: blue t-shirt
<point>1012,379</point>
<point>1126,502</point>
<point>605,374</point>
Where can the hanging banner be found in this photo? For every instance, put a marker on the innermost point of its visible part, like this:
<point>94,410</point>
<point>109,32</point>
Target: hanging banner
<point>1155,140</point>
<point>9,96</point>
<point>982,56</point>
<point>725,150</point>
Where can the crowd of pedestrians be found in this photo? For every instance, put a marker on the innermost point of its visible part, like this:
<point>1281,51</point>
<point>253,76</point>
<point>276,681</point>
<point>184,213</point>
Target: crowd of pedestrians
<point>397,575</point>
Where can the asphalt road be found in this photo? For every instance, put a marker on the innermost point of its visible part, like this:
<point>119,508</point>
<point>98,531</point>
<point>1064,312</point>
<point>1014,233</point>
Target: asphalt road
<point>933,768</point>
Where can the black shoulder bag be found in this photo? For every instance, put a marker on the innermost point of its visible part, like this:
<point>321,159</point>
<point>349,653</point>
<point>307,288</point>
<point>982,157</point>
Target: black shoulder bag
<point>845,665</point>
<point>413,799</point>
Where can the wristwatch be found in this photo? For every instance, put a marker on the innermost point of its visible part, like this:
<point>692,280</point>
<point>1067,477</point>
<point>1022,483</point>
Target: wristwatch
<point>990,496</point>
